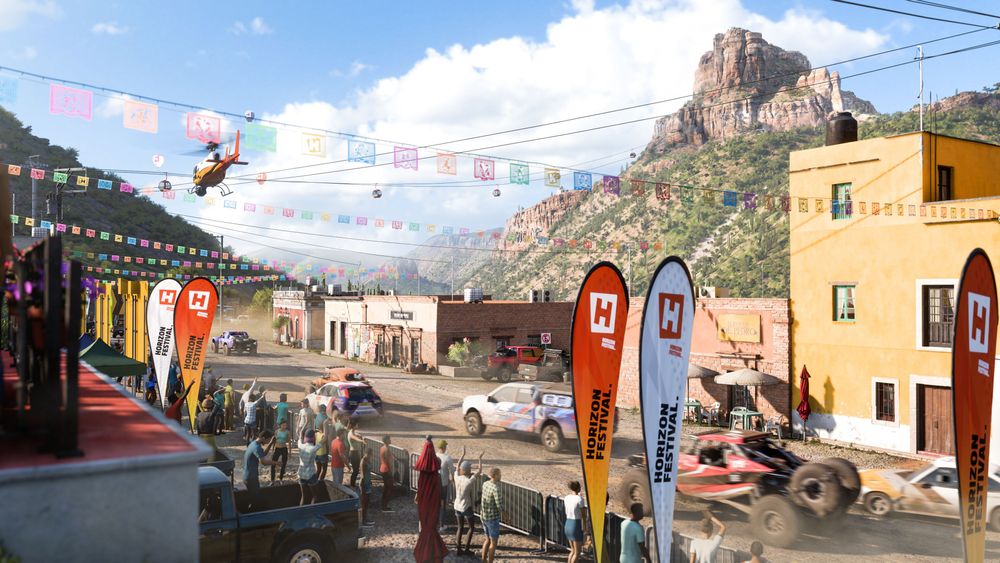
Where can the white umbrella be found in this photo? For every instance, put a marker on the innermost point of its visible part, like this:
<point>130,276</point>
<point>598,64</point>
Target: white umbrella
<point>695,371</point>
<point>747,377</point>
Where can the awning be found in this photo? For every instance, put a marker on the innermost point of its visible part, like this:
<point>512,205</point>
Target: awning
<point>747,377</point>
<point>104,359</point>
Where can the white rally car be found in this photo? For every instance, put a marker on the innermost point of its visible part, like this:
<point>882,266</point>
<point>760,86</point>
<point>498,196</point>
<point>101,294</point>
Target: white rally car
<point>931,489</point>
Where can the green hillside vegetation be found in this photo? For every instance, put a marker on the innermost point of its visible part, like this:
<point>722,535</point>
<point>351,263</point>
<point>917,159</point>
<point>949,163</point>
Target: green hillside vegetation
<point>108,210</point>
<point>741,250</point>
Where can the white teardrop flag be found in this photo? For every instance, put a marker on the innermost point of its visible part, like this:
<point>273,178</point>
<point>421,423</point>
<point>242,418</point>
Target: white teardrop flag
<point>160,330</point>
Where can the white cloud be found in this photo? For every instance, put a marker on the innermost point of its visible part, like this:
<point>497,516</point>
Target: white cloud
<point>257,26</point>
<point>25,53</point>
<point>590,60</point>
<point>108,28</point>
<point>357,67</point>
<point>14,13</point>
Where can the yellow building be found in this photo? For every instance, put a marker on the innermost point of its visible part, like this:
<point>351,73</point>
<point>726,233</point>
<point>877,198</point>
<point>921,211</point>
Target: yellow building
<point>880,231</point>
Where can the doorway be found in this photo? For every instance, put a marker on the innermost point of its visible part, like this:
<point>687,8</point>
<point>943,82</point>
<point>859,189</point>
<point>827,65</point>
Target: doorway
<point>343,337</point>
<point>396,350</point>
<point>934,419</point>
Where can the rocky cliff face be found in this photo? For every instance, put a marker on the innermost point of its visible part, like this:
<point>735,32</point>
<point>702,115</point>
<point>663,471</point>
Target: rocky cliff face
<point>526,226</point>
<point>746,84</point>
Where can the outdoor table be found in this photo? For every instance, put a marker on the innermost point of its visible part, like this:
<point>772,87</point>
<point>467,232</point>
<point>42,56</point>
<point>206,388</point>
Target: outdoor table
<point>692,409</point>
<point>746,418</point>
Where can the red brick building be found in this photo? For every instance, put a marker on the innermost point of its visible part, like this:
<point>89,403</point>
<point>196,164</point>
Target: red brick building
<point>729,334</point>
<point>404,329</point>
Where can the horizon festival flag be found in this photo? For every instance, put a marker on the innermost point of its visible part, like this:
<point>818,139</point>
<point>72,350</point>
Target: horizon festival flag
<point>193,314</point>
<point>599,319</point>
<point>973,362</point>
<point>667,324</point>
<point>160,330</point>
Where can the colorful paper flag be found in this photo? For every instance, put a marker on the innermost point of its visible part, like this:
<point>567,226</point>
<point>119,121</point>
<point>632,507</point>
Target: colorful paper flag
<point>484,169</point>
<point>140,116</point>
<point>612,185</point>
<point>104,184</point>
<point>313,145</point>
<point>71,102</point>
<point>13,170</point>
<point>37,174</point>
<point>8,90</point>
<point>204,128</point>
<point>82,181</point>
<point>360,151</point>
<point>519,174</point>
<point>60,177</point>
<point>583,181</point>
<point>447,163</point>
<point>261,137</point>
<point>403,157</point>
<point>729,199</point>
<point>553,178</point>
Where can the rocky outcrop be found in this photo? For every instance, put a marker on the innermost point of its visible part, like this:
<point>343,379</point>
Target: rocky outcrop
<point>746,84</point>
<point>527,225</point>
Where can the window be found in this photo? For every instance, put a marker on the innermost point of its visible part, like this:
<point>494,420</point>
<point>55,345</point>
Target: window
<point>885,401</point>
<point>502,341</point>
<point>523,396</point>
<point>740,396</point>
<point>535,340</point>
<point>945,477</point>
<point>840,205</point>
<point>505,395</point>
<point>415,350</point>
<point>938,315</point>
<point>946,183</point>
<point>211,505</point>
<point>843,303</point>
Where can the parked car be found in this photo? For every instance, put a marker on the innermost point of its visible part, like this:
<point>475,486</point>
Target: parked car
<point>234,341</point>
<point>545,409</point>
<point>338,373</point>
<point>503,363</point>
<point>554,366</point>
<point>278,529</point>
<point>750,472</point>
<point>355,398</point>
<point>929,490</point>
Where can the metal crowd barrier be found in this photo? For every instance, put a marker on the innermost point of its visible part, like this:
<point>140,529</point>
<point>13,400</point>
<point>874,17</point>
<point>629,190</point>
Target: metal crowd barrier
<point>449,513</point>
<point>401,466</point>
<point>555,519</point>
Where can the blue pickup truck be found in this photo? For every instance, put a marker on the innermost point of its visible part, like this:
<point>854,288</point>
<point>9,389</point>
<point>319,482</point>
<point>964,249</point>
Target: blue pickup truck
<point>279,530</point>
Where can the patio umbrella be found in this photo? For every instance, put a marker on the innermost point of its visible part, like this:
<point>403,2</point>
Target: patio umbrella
<point>803,408</point>
<point>747,377</point>
<point>430,547</point>
<point>695,371</point>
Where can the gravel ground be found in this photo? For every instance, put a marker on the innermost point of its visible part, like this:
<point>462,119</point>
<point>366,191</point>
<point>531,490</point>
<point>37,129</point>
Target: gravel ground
<point>418,405</point>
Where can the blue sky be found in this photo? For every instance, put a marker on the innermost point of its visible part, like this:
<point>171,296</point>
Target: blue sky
<point>447,70</point>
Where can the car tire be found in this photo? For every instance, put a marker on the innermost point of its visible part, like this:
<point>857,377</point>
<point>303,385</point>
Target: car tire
<point>635,488</point>
<point>474,423</point>
<point>504,375</point>
<point>775,521</point>
<point>847,472</point>
<point>215,347</point>
<point>816,487</point>
<point>879,504</point>
<point>552,437</point>
<point>304,550</point>
<point>486,375</point>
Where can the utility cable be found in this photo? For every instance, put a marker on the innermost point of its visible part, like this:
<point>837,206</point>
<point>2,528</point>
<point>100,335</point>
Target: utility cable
<point>911,14</point>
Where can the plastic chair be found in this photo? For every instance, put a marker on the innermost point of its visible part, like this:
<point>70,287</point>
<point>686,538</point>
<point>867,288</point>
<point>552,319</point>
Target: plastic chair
<point>773,423</point>
<point>711,414</point>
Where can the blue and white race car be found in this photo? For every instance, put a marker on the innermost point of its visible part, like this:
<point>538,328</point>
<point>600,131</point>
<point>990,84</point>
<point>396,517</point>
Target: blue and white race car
<point>545,409</point>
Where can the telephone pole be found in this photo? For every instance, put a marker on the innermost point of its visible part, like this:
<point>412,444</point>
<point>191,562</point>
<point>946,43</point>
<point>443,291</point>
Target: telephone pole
<point>222,286</point>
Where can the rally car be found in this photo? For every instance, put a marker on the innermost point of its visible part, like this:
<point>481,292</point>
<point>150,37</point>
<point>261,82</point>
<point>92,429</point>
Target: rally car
<point>337,373</point>
<point>545,409</point>
<point>750,472</point>
<point>354,398</point>
<point>929,490</point>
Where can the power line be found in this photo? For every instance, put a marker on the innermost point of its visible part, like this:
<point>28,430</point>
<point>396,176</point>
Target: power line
<point>955,8</point>
<point>911,14</point>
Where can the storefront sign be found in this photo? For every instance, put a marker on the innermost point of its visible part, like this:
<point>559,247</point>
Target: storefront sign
<point>401,315</point>
<point>739,328</point>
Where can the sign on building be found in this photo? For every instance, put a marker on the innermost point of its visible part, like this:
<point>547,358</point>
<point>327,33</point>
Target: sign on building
<point>739,328</point>
<point>546,338</point>
<point>401,315</point>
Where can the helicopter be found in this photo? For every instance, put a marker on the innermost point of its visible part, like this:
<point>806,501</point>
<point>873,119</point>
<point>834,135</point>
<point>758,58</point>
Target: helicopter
<point>211,172</point>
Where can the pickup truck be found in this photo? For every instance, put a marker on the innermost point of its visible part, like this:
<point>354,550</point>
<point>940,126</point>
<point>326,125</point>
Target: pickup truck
<point>279,530</point>
<point>504,363</point>
<point>234,341</point>
<point>554,367</point>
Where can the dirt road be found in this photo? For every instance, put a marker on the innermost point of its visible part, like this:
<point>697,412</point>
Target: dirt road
<point>420,405</point>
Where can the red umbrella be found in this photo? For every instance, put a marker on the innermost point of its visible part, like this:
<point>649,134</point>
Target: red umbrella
<point>803,408</point>
<point>430,547</point>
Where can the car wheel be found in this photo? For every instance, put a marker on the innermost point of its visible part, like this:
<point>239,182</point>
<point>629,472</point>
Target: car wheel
<point>215,347</point>
<point>635,488</point>
<point>847,472</point>
<point>552,437</point>
<point>817,488</point>
<point>306,550</point>
<point>775,521</point>
<point>504,375</point>
<point>474,423</point>
<point>879,504</point>
<point>486,375</point>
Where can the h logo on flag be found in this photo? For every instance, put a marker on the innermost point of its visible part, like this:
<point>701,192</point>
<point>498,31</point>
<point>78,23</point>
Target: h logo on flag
<point>602,312</point>
<point>671,315</point>
<point>168,296</point>
<point>979,326</point>
<point>198,300</point>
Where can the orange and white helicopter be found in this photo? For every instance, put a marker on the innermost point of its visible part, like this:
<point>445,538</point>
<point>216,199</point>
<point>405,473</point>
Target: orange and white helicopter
<point>211,172</point>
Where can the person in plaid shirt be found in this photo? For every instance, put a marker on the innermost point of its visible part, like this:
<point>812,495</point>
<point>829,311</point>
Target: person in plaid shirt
<point>491,510</point>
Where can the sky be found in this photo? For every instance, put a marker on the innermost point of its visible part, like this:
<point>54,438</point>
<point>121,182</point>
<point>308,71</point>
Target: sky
<point>428,76</point>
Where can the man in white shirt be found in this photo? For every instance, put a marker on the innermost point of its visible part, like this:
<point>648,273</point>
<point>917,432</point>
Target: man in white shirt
<point>447,474</point>
<point>464,487</point>
<point>703,549</point>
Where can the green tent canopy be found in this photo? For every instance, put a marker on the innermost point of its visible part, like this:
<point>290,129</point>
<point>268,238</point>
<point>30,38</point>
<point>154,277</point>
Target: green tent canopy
<point>104,359</point>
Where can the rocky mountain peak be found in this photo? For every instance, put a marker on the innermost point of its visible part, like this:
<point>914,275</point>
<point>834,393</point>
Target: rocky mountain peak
<point>746,84</point>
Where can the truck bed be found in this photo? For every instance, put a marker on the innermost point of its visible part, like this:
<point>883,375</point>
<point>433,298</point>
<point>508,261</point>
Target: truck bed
<point>332,498</point>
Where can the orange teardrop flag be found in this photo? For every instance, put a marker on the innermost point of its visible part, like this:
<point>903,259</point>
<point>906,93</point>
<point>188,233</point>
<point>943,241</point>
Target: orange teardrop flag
<point>193,314</point>
<point>598,333</point>
<point>972,370</point>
